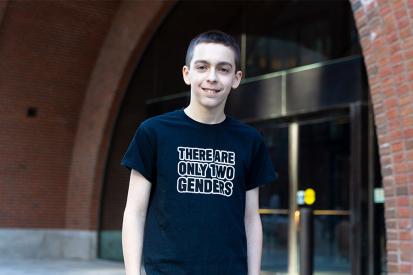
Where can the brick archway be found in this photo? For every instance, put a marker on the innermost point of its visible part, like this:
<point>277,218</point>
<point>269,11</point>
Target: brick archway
<point>385,30</point>
<point>131,30</point>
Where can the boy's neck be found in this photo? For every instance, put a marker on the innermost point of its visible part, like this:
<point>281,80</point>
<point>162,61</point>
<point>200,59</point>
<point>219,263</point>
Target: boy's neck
<point>205,115</point>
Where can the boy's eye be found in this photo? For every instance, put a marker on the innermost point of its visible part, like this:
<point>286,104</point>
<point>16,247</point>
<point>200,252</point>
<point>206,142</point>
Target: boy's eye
<point>224,70</point>
<point>200,67</point>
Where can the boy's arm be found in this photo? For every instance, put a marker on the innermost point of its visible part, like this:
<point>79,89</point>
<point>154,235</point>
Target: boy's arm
<point>253,229</point>
<point>133,225</point>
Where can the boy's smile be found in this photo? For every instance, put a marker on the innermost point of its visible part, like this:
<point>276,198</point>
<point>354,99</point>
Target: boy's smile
<point>211,75</point>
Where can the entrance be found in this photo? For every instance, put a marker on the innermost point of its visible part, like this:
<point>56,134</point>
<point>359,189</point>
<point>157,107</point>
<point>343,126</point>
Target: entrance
<point>308,153</point>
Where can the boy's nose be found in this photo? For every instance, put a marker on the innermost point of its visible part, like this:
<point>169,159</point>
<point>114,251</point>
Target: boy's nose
<point>212,77</point>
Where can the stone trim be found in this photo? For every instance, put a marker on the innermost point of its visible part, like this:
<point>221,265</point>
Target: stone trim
<point>47,243</point>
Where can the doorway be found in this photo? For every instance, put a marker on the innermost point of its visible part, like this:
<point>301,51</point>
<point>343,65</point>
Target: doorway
<point>308,153</point>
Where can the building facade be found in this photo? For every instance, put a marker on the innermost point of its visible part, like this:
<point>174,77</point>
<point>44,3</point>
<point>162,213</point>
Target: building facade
<point>77,77</point>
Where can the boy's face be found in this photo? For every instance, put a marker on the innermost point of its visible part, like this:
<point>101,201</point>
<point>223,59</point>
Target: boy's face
<point>211,75</point>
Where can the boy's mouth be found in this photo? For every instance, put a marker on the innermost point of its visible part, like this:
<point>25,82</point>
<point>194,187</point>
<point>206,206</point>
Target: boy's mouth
<point>209,90</point>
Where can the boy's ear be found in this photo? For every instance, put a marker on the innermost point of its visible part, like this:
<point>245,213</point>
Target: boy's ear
<point>185,75</point>
<point>237,79</point>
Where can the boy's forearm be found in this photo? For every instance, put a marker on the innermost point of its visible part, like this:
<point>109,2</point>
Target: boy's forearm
<point>253,228</point>
<point>132,242</point>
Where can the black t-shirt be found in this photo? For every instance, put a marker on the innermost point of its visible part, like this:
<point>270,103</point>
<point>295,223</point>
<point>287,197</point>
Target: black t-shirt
<point>199,174</point>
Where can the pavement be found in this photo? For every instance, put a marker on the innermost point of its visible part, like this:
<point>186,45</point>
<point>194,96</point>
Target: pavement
<point>60,267</point>
<point>80,267</point>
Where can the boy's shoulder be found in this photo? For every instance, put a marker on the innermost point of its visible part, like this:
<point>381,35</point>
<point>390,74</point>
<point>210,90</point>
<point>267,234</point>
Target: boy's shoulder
<point>244,128</point>
<point>154,121</point>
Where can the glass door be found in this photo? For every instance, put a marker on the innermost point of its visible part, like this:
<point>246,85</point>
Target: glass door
<point>275,201</point>
<point>324,165</point>
<point>307,154</point>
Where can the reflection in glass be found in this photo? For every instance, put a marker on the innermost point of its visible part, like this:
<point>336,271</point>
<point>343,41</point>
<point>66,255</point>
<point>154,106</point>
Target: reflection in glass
<point>324,158</point>
<point>325,162</point>
<point>285,34</point>
<point>275,243</point>
<point>274,197</point>
<point>332,244</point>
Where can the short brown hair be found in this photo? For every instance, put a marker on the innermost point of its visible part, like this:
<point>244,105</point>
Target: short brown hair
<point>218,37</point>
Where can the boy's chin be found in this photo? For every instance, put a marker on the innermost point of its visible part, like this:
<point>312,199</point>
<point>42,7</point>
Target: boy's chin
<point>210,104</point>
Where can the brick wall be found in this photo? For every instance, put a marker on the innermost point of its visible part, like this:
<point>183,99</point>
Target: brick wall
<point>385,29</point>
<point>47,51</point>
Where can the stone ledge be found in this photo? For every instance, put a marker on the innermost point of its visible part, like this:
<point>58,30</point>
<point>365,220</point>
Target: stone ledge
<point>48,243</point>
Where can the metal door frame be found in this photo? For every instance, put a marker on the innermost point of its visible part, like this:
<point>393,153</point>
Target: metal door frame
<point>354,112</point>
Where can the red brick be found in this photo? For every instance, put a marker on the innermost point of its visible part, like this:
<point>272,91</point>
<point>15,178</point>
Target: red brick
<point>397,5</point>
<point>402,23</point>
<point>390,201</point>
<point>400,168</point>
<point>397,147</point>
<point>383,3</point>
<point>391,224</point>
<point>408,133</point>
<point>401,78</point>
<point>408,54</point>
<point>394,124</point>
<point>409,65</point>
<point>407,43</point>
<point>392,113</point>
<point>390,213</point>
<point>401,179</point>
<point>403,201</point>
<point>405,236</point>
<point>404,224</point>
<point>400,13</point>
<point>392,246</point>
<point>393,267</point>
<point>406,110</point>
<point>405,268</point>
<point>397,158</point>
<point>409,155</point>
<point>384,10</point>
<point>390,103</point>
<point>409,167</point>
<point>405,100</point>
<point>409,144</point>
<point>406,246</point>
<point>401,191</point>
<point>407,122</point>
<point>392,235</point>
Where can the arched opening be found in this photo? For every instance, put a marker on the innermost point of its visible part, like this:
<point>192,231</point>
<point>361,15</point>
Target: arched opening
<point>304,60</point>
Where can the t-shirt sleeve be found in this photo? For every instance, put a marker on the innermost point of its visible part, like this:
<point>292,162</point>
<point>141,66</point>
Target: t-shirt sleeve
<point>261,170</point>
<point>140,154</point>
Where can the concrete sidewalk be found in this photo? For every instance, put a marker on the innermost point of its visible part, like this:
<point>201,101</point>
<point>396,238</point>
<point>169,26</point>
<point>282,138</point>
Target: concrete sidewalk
<point>60,267</point>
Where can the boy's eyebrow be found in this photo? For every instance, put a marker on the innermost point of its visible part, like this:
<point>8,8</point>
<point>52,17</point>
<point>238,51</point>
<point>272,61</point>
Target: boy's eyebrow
<point>220,63</point>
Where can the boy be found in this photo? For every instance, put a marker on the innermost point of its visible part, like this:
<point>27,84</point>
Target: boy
<point>192,205</point>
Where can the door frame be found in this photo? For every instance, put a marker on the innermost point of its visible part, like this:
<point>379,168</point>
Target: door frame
<point>357,115</point>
